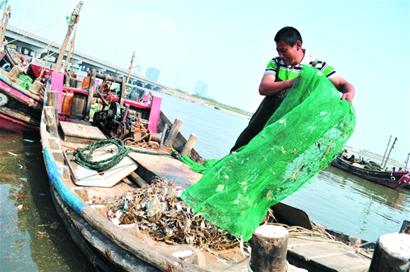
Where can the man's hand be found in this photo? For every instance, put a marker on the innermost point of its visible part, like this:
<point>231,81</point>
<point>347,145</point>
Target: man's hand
<point>348,96</point>
<point>344,87</point>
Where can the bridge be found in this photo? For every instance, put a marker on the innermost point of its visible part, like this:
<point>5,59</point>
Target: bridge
<point>33,45</point>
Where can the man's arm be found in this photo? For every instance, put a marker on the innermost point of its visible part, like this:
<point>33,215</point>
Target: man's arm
<point>344,87</point>
<point>269,87</point>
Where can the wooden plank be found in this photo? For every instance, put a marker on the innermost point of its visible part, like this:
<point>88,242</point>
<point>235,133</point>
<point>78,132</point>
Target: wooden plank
<point>87,177</point>
<point>167,168</point>
<point>74,131</point>
<point>332,255</point>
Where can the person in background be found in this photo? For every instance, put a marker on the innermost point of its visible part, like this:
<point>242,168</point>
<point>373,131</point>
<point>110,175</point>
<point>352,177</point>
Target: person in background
<point>280,75</point>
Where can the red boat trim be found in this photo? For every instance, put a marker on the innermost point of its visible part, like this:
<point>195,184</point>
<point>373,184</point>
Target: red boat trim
<point>10,123</point>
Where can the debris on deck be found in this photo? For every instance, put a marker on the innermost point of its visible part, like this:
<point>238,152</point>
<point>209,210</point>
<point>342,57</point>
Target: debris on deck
<point>158,211</point>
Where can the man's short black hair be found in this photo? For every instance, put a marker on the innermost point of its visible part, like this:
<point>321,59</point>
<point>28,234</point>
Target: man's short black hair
<point>288,35</point>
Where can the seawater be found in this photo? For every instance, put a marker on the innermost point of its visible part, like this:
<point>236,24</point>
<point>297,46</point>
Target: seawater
<point>32,237</point>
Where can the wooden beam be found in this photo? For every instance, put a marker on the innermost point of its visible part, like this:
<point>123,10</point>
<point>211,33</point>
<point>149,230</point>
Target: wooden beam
<point>90,94</point>
<point>138,180</point>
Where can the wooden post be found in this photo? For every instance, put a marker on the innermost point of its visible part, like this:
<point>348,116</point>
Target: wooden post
<point>405,227</point>
<point>123,91</point>
<point>189,145</point>
<point>173,133</point>
<point>164,132</point>
<point>269,247</point>
<point>14,73</point>
<point>50,114</point>
<point>392,253</point>
<point>36,87</point>
<point>90,94</point>
<point>52,99</point>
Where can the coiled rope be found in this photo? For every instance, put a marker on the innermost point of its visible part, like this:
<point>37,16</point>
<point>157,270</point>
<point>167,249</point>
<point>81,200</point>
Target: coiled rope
<point>83,155</point>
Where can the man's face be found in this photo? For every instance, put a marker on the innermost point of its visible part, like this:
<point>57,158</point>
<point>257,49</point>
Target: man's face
<point>289,53</point>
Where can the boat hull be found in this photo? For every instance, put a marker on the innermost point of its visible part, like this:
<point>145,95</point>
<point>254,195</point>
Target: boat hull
<point>388,179</point>
<point>99,249</point>
<point>15,125</point>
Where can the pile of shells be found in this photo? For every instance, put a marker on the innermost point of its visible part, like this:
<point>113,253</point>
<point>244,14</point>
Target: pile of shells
<point>158,211</point>
<point>142,142</point>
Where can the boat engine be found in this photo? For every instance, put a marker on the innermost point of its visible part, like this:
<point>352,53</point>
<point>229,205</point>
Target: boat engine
<point>115,121</point>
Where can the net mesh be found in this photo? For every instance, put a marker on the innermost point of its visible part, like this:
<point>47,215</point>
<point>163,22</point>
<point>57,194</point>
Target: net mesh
<point>302,137</point>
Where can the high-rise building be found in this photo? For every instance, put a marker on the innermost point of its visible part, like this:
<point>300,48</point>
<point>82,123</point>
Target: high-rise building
<point>152,74</point>
<point>201,88</point>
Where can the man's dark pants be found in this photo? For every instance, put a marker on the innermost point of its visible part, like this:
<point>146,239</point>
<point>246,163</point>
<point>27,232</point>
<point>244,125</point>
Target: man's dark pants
<point>258,120</point>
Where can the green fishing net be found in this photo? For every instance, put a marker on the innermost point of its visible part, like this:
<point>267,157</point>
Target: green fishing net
<point>25,81</point>
<point>302,137</point>
<point>198,167</point>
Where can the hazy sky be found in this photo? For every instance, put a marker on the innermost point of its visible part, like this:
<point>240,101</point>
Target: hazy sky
<point>227,45</point>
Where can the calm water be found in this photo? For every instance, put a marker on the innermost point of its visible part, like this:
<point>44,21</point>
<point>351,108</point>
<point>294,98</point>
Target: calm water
<point>32,237</point>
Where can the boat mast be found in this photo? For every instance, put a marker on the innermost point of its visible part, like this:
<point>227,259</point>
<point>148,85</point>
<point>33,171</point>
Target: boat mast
<point>73,21</point>
<point>406,162</point>
<point>4,21</point>
<point>130,67</point>
<point>71,49</point>
<point>387,147</point>
<point>388,155</point>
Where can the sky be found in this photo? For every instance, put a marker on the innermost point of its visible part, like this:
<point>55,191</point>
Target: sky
<point>227,44</point>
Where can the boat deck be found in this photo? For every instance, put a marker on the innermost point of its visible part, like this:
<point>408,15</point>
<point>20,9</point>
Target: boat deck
<point>305,249</point>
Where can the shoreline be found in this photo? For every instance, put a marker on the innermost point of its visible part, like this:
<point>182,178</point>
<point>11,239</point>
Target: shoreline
<point>209,103</point>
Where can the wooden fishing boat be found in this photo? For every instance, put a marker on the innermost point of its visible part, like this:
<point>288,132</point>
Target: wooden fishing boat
<point>80,196</point>
<point>387,178</point>
<point>20,108</point>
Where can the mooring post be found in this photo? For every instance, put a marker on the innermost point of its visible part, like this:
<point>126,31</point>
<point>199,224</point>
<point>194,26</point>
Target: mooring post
<point>392,253</point>
<point>269,247</point>
<point>189,145</point>
<point>173,133</point>
<point>405,227</point>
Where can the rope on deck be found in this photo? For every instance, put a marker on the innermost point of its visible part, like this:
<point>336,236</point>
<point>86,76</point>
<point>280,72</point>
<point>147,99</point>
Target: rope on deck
<point>83,156</point>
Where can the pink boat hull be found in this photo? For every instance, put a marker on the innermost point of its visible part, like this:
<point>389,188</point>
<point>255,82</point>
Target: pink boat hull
<point>11,124</point>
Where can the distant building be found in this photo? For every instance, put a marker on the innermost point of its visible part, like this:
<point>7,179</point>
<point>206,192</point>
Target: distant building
<point>152,74</point>
<point>201,88</point>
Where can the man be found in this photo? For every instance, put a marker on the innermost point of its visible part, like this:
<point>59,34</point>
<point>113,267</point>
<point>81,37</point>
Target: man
<point>280,75</point>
